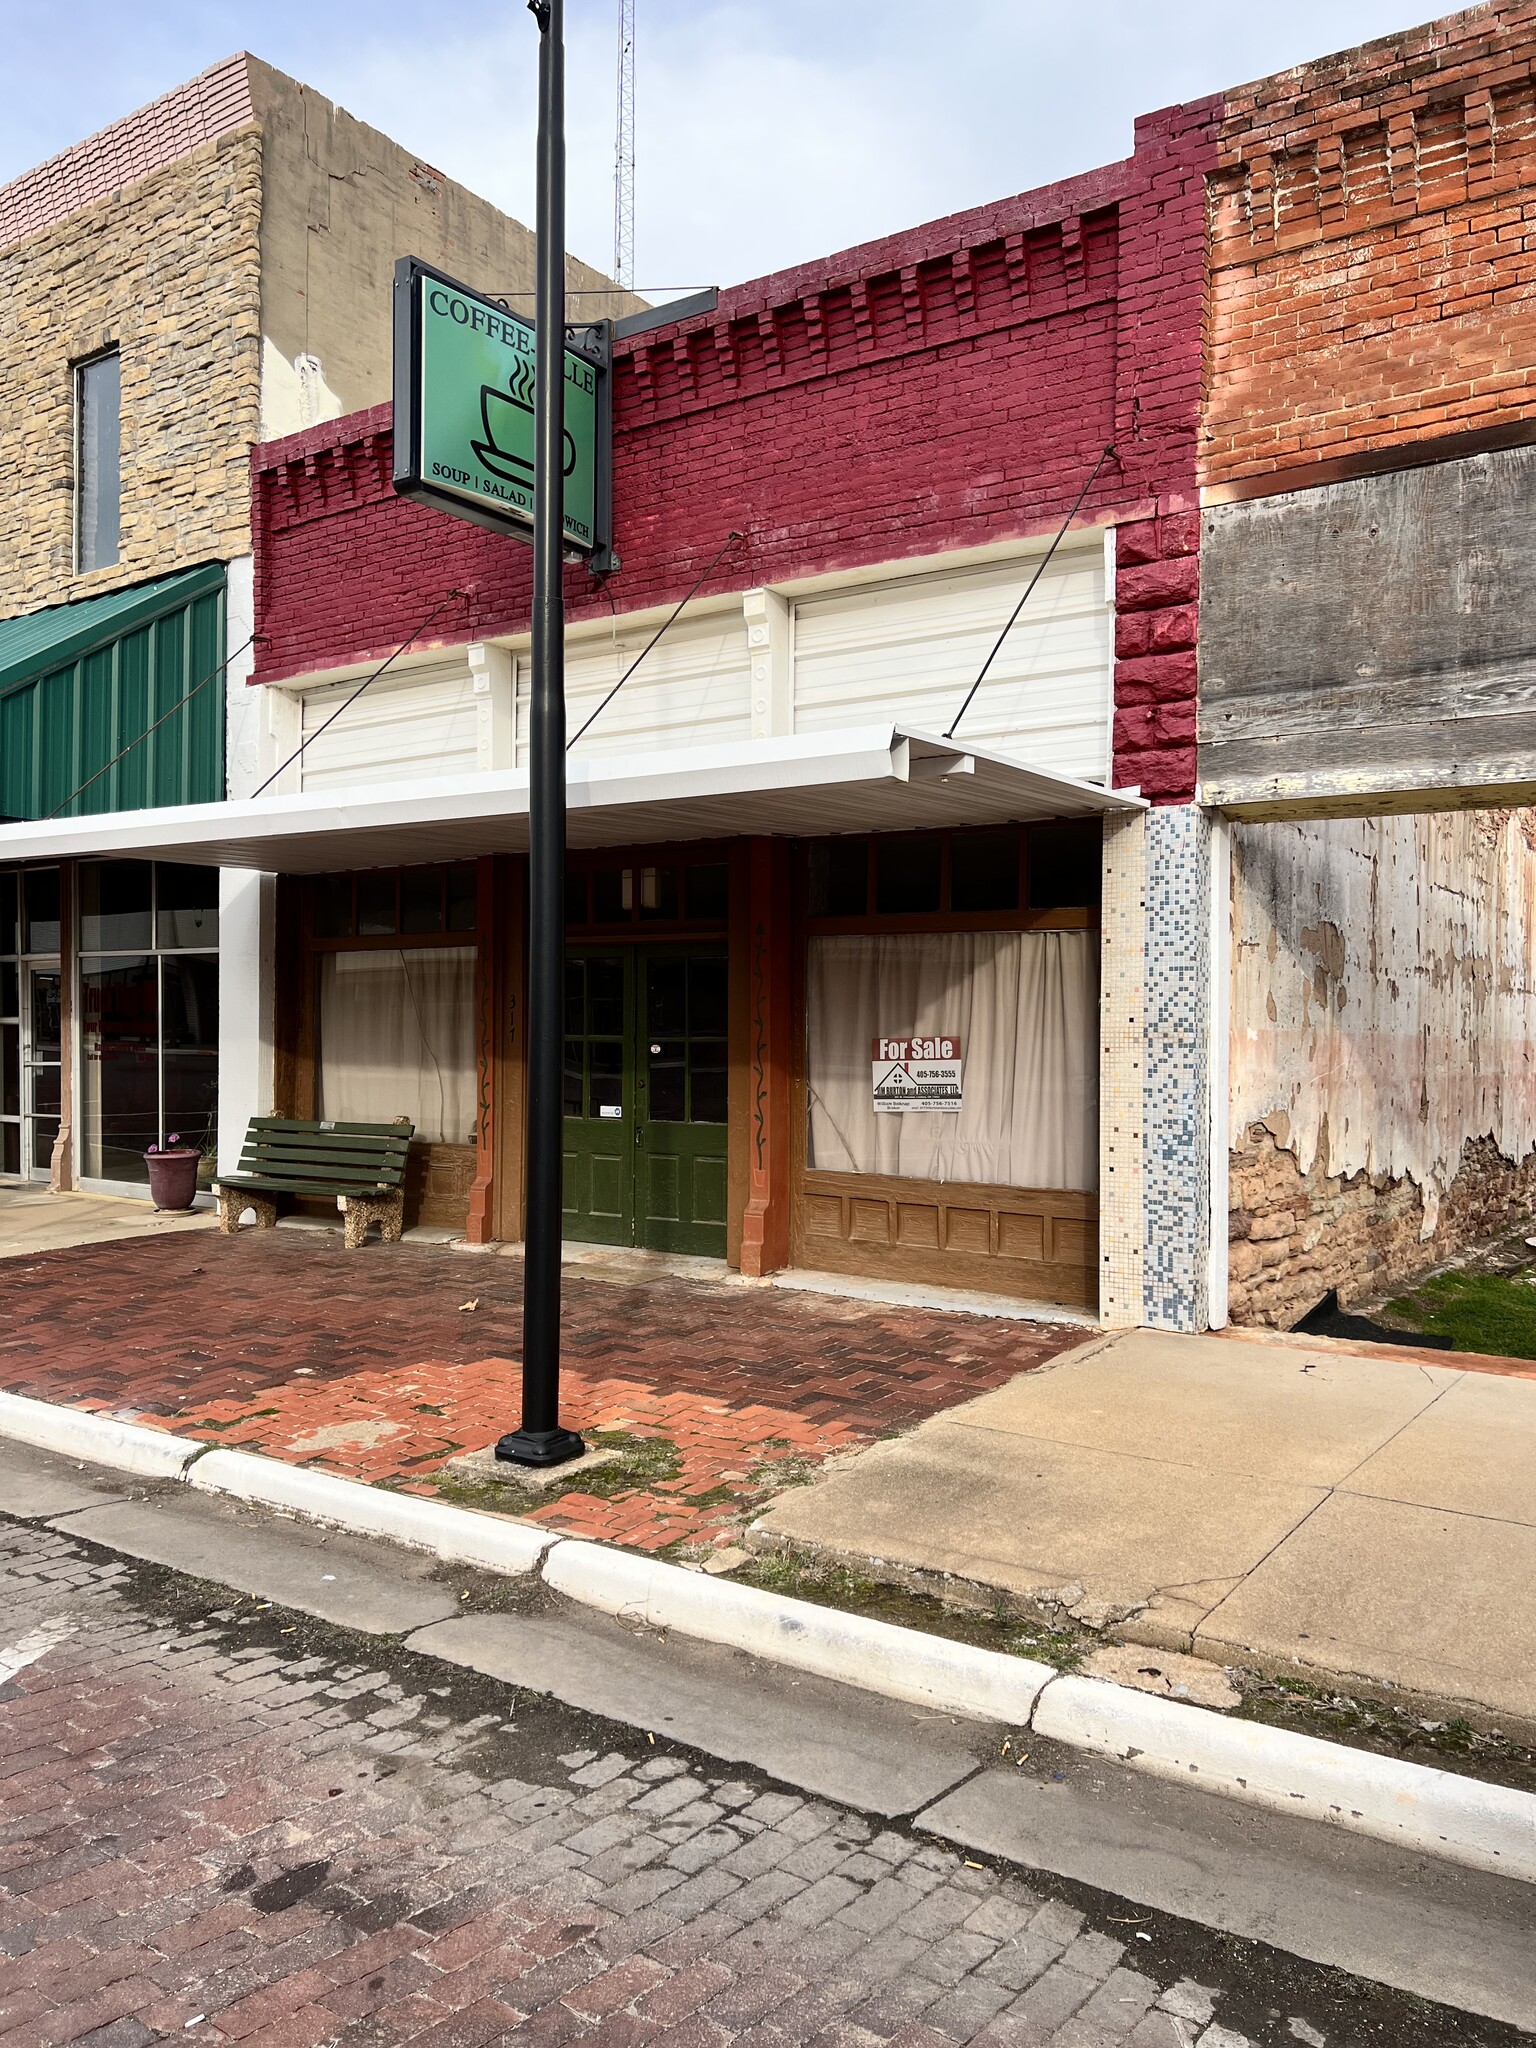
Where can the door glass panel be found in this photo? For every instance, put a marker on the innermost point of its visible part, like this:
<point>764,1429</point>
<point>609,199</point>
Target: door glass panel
<point>10,1148</point>
<point>47,1017</point>
<point>605,1076</point>
<point>45,1131</point>
<point>10,1070</point>
<point>669,1082</point>
<point>708,1080</point>
<point>119,1067</point>
<point>576,997</point>
<point>666,996</point>
<point>605,997</point>
<point>570,1080</point>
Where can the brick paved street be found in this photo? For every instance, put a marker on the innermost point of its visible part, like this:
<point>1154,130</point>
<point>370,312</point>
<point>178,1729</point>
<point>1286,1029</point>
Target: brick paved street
<point>368,1362</point>
<point>223,1823</point>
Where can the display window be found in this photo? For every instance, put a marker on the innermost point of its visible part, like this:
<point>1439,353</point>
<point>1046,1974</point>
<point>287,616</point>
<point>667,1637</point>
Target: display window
<point>149,1015</point>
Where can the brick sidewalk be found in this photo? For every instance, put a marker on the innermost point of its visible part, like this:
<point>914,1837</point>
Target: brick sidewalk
<point>371,1364</point>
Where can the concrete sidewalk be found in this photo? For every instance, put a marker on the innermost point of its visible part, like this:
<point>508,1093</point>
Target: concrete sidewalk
<point>33,1220</point>
<point>1307,1512</point>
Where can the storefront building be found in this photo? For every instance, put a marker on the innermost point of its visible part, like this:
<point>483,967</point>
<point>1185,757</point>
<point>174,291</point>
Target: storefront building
<point>171,290</point>
<point>850,986</point>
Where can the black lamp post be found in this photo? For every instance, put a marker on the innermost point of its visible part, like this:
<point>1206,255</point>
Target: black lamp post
<point>541,1440</point>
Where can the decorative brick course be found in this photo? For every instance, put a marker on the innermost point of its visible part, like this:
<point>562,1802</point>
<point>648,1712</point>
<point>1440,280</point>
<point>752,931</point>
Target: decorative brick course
<point>1372,251</point>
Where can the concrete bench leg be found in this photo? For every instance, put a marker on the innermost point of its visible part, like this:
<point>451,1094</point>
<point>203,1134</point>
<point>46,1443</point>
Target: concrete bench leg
<point>358,1211</point>
<point>233,1205</point>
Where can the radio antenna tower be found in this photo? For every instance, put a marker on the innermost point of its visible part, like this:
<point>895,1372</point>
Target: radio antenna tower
<point>624,154</point>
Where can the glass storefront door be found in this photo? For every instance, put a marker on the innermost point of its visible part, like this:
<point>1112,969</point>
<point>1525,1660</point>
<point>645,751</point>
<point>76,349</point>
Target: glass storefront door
<point>42,1067</point>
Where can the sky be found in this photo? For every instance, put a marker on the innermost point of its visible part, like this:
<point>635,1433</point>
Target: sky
<point>768,132</point>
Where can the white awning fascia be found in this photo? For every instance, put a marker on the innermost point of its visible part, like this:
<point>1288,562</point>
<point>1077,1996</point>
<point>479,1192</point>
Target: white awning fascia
<point>868,778</point>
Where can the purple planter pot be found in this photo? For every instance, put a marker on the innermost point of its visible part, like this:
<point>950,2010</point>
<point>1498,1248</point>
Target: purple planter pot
<point>172,1178</point>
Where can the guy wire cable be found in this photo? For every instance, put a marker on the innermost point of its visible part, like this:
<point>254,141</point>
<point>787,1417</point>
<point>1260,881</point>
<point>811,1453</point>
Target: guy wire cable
<point>703,577</point>
<point>1104,455</point>
<point>441,605</point>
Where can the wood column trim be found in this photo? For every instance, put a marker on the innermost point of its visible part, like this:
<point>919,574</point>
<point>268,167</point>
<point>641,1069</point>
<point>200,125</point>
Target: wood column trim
<point>765,1221</point>
<point>480,1225</point>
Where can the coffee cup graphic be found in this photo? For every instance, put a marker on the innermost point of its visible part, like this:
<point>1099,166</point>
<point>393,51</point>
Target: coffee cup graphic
<point>503,416</point>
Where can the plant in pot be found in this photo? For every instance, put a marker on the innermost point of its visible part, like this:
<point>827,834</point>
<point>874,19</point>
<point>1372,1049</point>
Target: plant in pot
<point>173,1172</point>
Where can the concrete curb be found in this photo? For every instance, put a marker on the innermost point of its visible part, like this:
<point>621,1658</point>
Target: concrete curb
<point>1489,1827</point>
<point>876,1656</point>
<point>98,1439</point>
<point>1459,1819</point>
<point>493,1542</point>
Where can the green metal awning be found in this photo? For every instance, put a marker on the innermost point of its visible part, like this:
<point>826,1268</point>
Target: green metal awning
<point>82,684</point>
<point>59,635</point>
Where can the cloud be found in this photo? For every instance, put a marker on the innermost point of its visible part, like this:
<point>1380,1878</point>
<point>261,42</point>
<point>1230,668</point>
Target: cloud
<point>768,134</point>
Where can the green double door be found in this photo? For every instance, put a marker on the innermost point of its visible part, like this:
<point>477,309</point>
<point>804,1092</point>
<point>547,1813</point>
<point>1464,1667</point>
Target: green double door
<point>645,1097</point>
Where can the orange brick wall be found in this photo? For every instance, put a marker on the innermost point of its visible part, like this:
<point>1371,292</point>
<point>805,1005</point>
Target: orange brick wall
<point>1373,249</point>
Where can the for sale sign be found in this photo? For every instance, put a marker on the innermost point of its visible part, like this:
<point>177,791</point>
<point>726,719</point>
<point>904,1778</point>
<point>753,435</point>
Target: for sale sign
<point>916,1073</point>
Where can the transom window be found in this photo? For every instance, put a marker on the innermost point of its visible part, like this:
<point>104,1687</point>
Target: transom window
<point>670,891</point>
<point>1008,873</point>
<point>387,903</point>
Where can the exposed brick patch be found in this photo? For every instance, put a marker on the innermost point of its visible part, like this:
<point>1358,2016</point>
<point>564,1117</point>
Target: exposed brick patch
<point>1295,1235</point>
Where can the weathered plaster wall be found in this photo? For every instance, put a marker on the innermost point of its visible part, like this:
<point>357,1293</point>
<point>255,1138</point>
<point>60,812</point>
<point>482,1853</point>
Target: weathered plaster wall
<point>1372,637</point>
<point>1383,1055</point>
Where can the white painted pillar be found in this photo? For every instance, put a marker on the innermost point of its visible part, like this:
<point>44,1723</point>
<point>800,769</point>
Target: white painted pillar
<point>247,971</point>
<point>492,678</point>
<point>770,627</point>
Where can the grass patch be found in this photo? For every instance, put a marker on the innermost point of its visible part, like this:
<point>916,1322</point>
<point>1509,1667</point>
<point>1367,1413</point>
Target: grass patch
<point>835,1585</point>
<point>642,1462</point>
<point>1493,1313</point>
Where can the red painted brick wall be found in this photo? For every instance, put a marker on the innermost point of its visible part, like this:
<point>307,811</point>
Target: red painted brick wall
<point>1373,249</point>
<point>938,390</point>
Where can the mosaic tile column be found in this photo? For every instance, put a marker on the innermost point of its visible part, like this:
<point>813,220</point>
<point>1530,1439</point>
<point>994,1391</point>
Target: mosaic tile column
<point>1176,1099</point>
<point>1122,1071</point>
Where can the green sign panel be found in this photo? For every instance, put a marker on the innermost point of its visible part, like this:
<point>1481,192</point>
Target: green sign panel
<point>464,416</point>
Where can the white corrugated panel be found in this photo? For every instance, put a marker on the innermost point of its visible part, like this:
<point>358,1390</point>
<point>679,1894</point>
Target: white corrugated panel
<point>412,723</point>
<point>911,649</point>
<point>692,690</point>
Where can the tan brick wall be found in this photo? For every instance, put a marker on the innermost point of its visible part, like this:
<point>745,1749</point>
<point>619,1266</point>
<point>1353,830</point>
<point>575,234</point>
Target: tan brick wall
<point>1294,1235</point>
<point>1373,249</point>
<point>168,269</point>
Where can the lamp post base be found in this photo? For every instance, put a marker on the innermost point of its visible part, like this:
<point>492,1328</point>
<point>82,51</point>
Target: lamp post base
<point>540,1447</point>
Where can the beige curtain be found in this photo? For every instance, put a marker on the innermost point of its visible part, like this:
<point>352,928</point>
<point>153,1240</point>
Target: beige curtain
<point>1025,1008</point>
<point>397,1038</point>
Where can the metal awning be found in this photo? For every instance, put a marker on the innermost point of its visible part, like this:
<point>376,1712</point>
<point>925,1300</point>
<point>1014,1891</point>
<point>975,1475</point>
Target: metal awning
<point>869,778</point>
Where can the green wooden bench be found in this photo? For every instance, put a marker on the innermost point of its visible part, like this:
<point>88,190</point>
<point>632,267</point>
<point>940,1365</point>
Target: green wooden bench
<point>362,1165</point>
